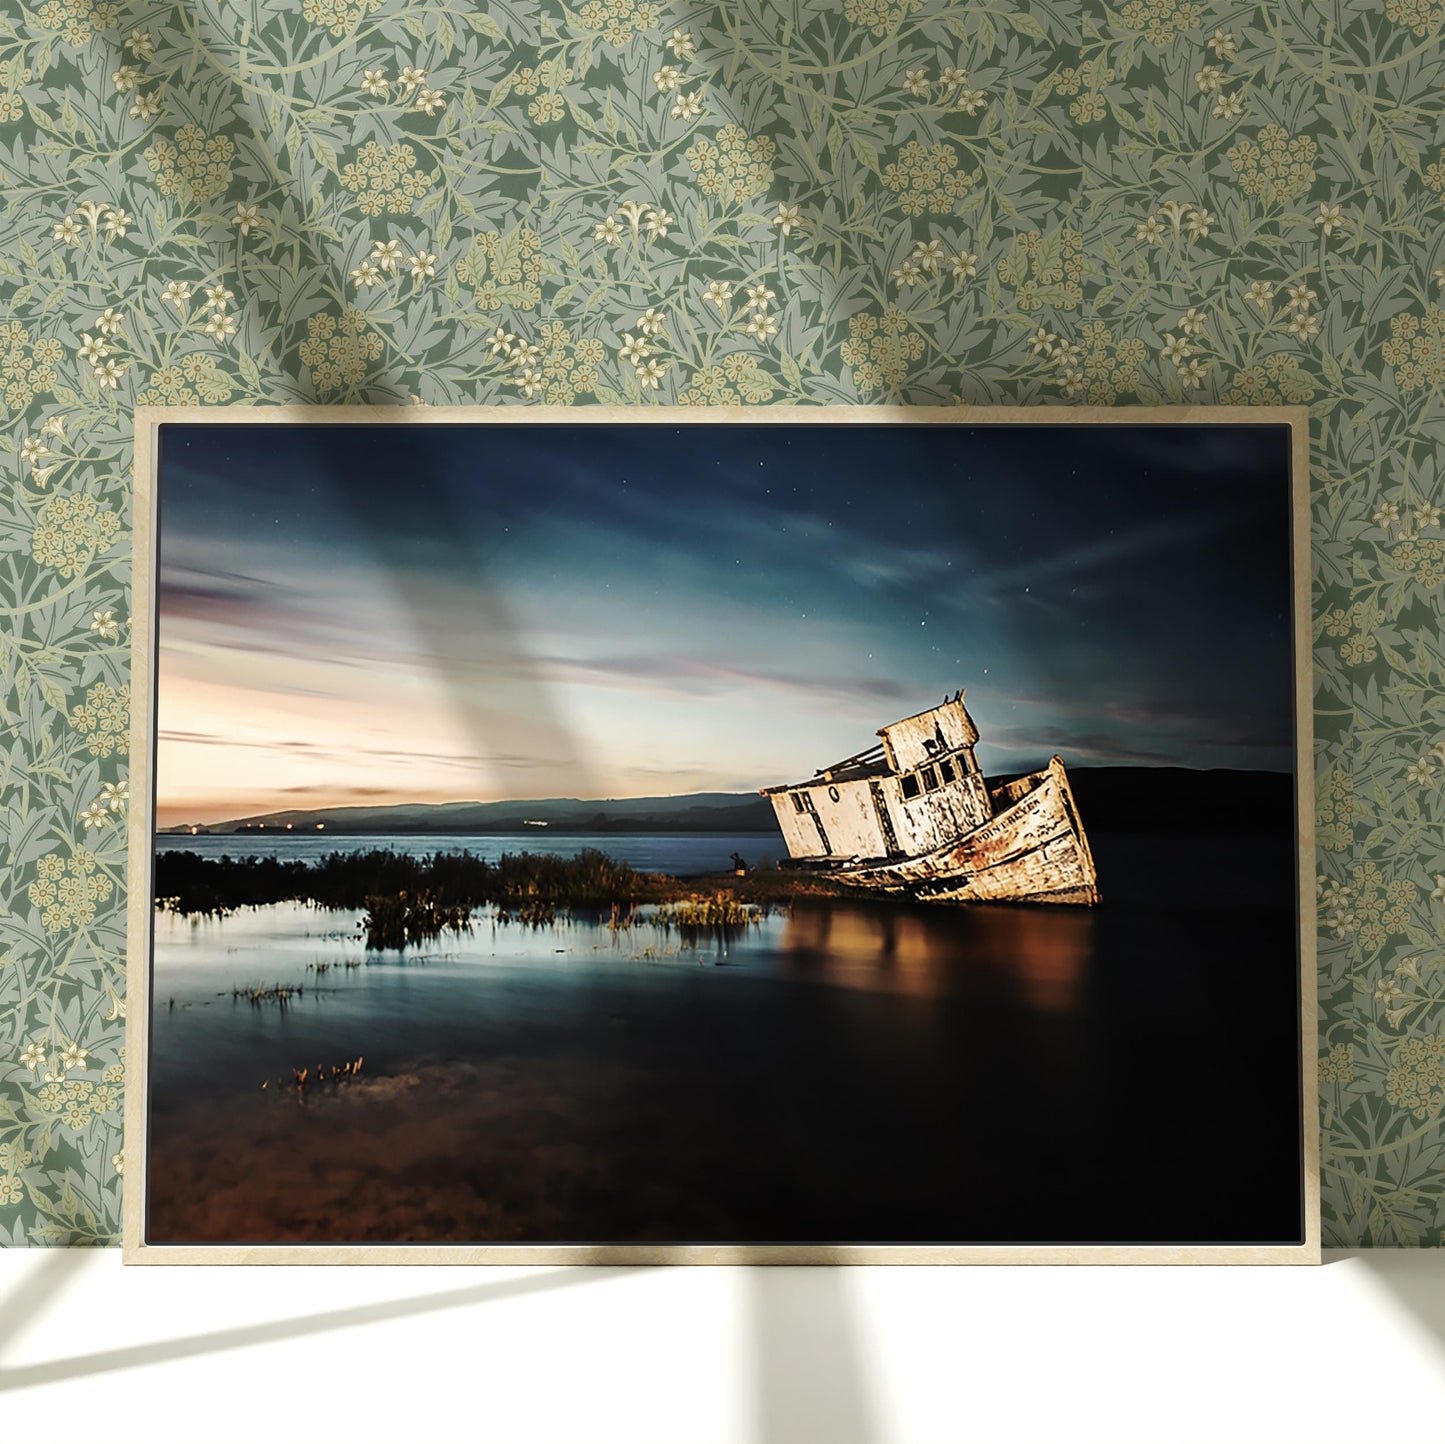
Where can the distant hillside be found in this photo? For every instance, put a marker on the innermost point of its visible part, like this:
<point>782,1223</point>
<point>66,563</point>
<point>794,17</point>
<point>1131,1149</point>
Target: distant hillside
<point>695,812</point>
<point>1110,799</point>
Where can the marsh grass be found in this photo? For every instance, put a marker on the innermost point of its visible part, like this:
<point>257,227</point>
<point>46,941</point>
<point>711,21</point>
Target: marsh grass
<point>321,1076</point>
<point>258,993</point>
<point>721,914</point>
<point>409,900</point>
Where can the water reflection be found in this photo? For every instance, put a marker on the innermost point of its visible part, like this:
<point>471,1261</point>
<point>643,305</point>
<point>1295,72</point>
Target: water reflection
<point>1039,954</point>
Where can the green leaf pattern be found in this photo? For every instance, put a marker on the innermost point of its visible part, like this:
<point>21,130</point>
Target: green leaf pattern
<point>816,201</point>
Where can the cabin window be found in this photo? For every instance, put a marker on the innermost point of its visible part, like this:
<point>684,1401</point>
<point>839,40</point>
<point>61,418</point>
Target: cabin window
<point>930,778</point>
<point>833,794</point>
<point>910,785</point>
<point>945,770</point>
<point>797,801</point>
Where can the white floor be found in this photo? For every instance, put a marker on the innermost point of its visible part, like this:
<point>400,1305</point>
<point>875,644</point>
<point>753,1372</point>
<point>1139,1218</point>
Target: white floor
<point>1352,1352</point>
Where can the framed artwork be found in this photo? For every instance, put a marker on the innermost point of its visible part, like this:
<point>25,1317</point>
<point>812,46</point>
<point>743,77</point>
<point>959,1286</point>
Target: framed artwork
<point>772,835</point>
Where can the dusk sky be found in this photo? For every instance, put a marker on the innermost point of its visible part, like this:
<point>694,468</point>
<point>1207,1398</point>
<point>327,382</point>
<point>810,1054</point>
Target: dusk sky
<point>433,613</point>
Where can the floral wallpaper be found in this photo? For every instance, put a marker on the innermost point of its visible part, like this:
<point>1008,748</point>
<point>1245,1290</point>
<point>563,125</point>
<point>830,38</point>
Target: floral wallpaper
<point>813,201</point>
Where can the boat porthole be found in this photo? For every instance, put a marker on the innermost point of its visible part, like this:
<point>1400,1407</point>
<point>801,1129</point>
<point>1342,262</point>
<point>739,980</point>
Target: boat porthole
<point>833,793</point>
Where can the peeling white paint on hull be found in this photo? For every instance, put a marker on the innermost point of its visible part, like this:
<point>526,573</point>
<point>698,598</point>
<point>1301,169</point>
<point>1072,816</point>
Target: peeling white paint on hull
<point>1033,851</point>
<point>914,815</point>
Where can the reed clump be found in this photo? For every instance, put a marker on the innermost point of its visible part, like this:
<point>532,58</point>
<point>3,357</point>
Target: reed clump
<point>393,922</point>
<point>321,1076</point>
<point>721,912</point>
<point>258,993</point>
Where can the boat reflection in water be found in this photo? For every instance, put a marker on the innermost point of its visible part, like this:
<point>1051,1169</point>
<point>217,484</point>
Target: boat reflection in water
<point>1035,956</point>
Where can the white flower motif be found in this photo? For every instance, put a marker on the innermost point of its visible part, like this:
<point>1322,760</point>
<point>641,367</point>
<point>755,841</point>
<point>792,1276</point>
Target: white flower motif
<point>1150,230</point>
<point>115,795</point>
<point>965,266</point>
<point>651,322</point>
<point>658,222</point>
<point>423,265</point>
<point>762,325</point>
<point>411,76</point>
<point>682,45</point>
<point>220,325</point>
<point>1330,218</point>
<point>110,322</point>
<point>1418,772</point>
<point>33,1056</point>
<point>1222,43</point>
<point>32,449</point>
<point>1198,223</point>
<point>760,296</point>
<point>1386,514</point>
<point>718,293</point>
<point>1228,106</point>
<point>1209,78</point>
<point>927,254</point>
<point>73,1056</point>
<point>1387,990</point>
<point>218,297</point>
<point>386,255</point>
<point>95,816</point>
<point>789,218</point>
<point>177,294</point>
<point>1259,293</point>
<point>126,79</point>
<point>247,217</point>
<point>1303,326</point>
<point>66,231</point>
<point>687,106</point>
<point>608,231</point>
<point>633,212</point>
<point>104,625</point>
<point>1041,343</point>
<point>1192,322</point>
<point>1176,349</point>
<point>366,275</point>
<point>1427,514</point>
<point>92,348</point>
<point>950,76</point>
<point>1192,374</point>
<point>1301,298</point>
<point>970,102</point>
<point>375,84</point>
<point>529,379</point>
<point>141,44</point>
<point>633,349</point>
<point>668,79</point>
<point>907,274</point>
<point>500,342</point>
<point>430,101</point>
<point>916,83</point>
<point>650,375</point>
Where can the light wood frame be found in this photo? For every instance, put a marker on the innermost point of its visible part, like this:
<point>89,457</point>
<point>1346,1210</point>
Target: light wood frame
<point>140,841</point>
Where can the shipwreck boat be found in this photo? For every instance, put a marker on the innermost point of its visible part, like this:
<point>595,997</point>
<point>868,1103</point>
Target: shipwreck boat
<point>914,815</point>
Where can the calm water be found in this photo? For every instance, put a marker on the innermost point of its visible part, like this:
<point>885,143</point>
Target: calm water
<point>842,1071</point>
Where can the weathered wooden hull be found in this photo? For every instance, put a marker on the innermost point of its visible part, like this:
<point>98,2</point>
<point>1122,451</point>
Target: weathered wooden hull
<point>1033,850</point>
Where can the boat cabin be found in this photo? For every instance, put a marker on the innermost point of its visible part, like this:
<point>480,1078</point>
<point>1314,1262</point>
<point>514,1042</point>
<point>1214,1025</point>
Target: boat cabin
<point>913,792</point>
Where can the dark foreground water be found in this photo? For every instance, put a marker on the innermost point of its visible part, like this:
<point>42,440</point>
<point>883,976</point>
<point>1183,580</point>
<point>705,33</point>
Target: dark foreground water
<point>843,1072</point>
